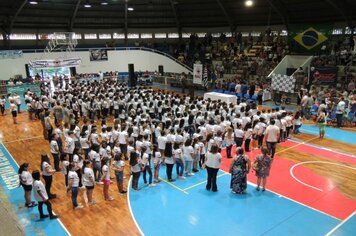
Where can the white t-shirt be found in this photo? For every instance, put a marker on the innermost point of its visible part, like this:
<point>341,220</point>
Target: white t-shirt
<point>213,160</point>
<point>157,158</point>
<point>107,170</point>
<point>70,145</point>
<point>273,133</point>
<point>122,137</point>
<point>26,178</point>
<point>84,142</point>
<point>88,177</point>
<point>119,164</point>
<point>188,153</point>
<point>73,176</point>
<point>54,147</point>
<point>44,166</point>
<point>39,186</point>
<point>162,142</point>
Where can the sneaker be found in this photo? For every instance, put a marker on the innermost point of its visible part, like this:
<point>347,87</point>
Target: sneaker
<point>78,207</point>
<point>263,189</point>
<point>258,188</point>
<point>44,216</point>
<point>171,180</point>
<point>54,217</point>
<point>99,183</point>
<point>109,199</point>
<point>146,184</point>
<point>123,192</point>
<point>181,177</point>
<point>92,203</point>
<point>195,170</point>
<point>152,185</point>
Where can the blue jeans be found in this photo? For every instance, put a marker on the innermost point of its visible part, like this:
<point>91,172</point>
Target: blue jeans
<point>97,170</point>
<point>296,129</point>
<point>74,196</point>
<point>179,167</point>
<point>188,167</point>
<point>147,169</point>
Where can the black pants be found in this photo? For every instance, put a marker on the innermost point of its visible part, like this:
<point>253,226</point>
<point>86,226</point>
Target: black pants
<point>135,178</point>
<point>2,109</point>
<point>48,184</point>
<point>339,120</point>
<point>271,146</point>
<point>260,140</point>
<point>202,160</point>
<point>259,99</point>
<point>49,208</point>
<point>239,142</point>
<point>247,145</point>
<point>211,182</point>
<point>56,161</point>
<point>228,151</point>
<point>169,170</point>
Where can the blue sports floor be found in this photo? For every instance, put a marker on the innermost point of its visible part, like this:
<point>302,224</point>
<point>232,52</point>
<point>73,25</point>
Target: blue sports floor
<point>27,217</point>
<point>331,133</point>
<point>186,208</point>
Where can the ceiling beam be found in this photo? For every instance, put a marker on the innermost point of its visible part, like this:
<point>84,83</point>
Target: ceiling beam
<point>227,16</point>
<point>342,13</point>
<point>175,13</point>
<point>278,8</point>
<point>74,14</point>
<point>11,25</point>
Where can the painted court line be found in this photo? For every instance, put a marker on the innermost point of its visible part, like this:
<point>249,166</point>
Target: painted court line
<point>296,145</point>
<point>59,221</point>
<point>23,139</point>
<point>174,186</point>
<point>313,162</point>
<point>129,203</point>
<point>340,224</point>
<point>203,182</point>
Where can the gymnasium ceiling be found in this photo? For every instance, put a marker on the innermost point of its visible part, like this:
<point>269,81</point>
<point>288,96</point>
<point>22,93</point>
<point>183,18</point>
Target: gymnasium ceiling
<point>71,15</point>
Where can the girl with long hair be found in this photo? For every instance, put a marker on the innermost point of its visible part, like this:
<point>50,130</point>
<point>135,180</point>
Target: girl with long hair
<point>47,174</point>
<point>169,161</point>
<point>88,180</point>
<point>106,179</point>
<point>26,182</point>
<point>229,141</point>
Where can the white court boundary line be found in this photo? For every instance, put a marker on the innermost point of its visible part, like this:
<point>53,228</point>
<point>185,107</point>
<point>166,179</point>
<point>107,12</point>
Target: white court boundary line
<point>340,224</point>
<point>313,162</point>
<point>23,139</point>
<point>59,221</point>
<point>280,195</point>
<point>128,202</point>
<point>321,147</point>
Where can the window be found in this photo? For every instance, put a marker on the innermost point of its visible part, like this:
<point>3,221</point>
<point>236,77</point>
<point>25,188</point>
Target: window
<point>244,34</point>
<point>228,34</point>
<point>23,37</point>
<point>104,36</point>
<point>133,36</point>
<point>201,35</point>
<point>186,35</point>
<point>173,35</point>
<point>160,35</point>
<point>56,36</point>
<point>348,30</point>
<point>284,33</point>
<point>77,36</point>
<point>146,36</point>
<point>1,37</point>
<point>90,36</point>
<point>118,36</point>
<point>215,35</point>
<point>337,31</point>
<point>254,34</point>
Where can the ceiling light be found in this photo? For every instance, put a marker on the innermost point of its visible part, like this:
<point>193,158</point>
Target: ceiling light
<point>104,3</point>
<point>33,2</point>
<point>248,3</point>
<point>130,9</point>
<point>87,4</point>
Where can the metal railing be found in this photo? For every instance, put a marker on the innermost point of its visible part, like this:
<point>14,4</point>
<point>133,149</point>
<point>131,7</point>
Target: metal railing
<point>120,49</point>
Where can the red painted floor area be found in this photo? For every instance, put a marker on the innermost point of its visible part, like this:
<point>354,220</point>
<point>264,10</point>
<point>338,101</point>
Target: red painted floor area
<point>330,200</point>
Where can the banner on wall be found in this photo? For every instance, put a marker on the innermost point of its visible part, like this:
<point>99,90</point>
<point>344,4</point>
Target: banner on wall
<point>22,88</point>
<point>308,38</point>
<point>11,54</point>
<point>198,74</point>
<point>98,54</point>
<point>323,75</point>
<point>42,64</point>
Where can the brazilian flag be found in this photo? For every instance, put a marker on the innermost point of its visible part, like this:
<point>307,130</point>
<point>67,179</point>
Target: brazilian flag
<point>308,39</point>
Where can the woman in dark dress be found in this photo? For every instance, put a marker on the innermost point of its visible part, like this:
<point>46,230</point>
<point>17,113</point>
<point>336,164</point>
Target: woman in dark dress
<point>239,169</point>
<point>262,166</point>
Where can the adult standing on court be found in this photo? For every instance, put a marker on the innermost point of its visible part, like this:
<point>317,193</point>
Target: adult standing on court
<point>47,174</point>
<point>272,134</point>
<point>13,109</point>
<point>212,164</point>
<point>17,100</point>
<point>262,166</point>
<point>340,109</point>
<point>2,105</point>
<point>55,150</point>
<point>240,167</point>
<point>73,185</point>
<point>321,122</point>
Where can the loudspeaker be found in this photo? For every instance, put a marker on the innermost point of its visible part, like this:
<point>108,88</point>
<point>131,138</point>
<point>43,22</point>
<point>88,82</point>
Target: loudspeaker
<point>160,70</point>
<point>27,71</point>
<point>132,77</point>
<point>73,71</point>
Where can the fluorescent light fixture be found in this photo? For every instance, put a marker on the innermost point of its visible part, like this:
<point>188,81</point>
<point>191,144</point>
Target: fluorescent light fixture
<point>33,2</point>
<point>87,5</point>
<point>248,3</point>
<point>104,3</point>
<point>130,8</point>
